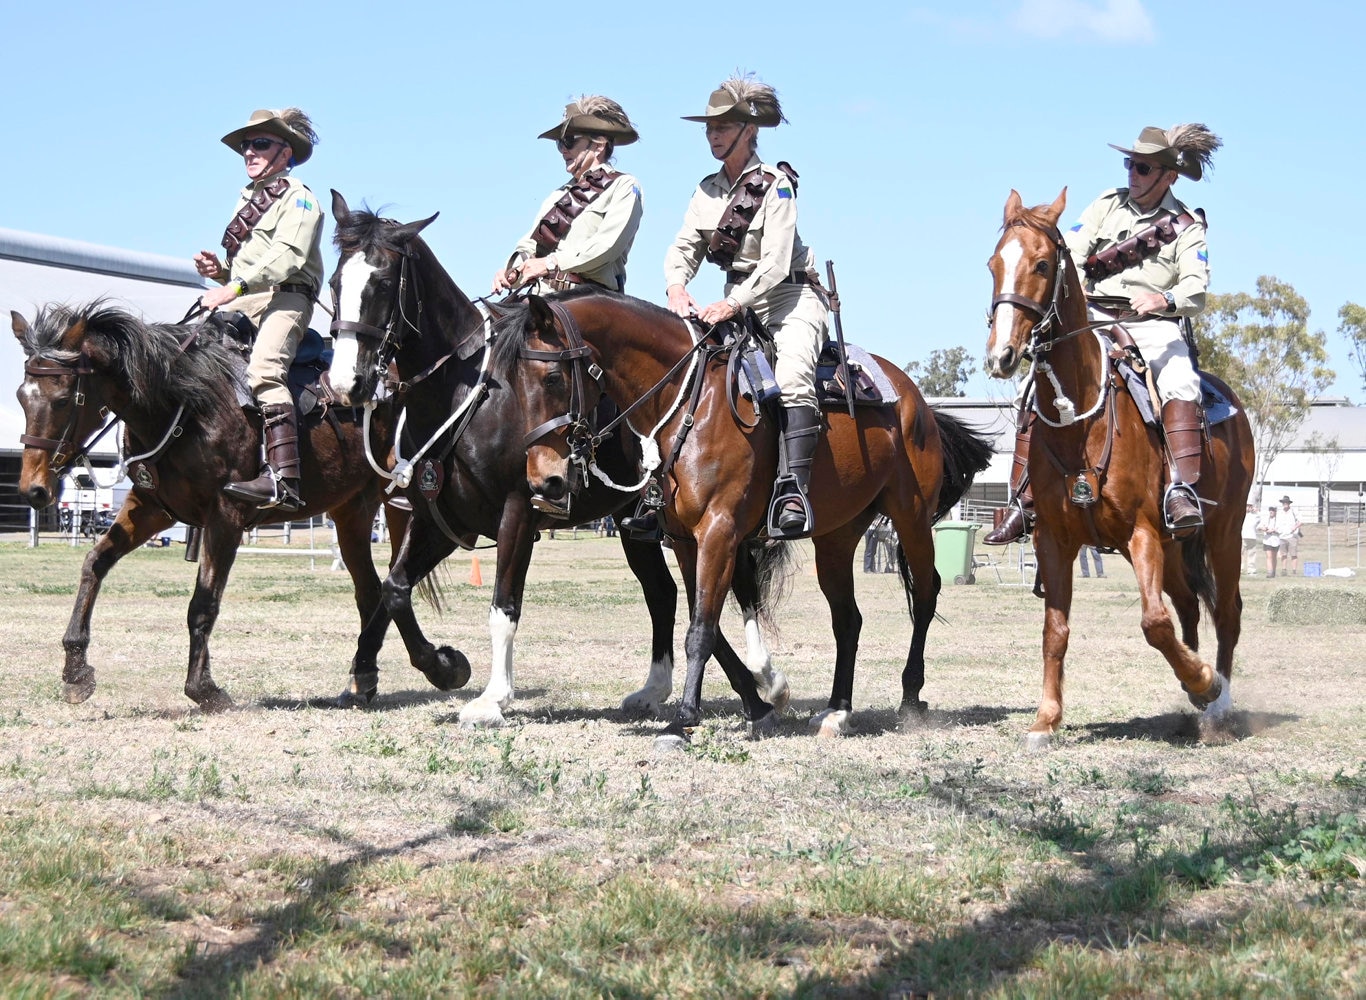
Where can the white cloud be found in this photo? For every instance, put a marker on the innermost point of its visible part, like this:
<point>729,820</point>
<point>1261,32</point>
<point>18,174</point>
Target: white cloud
<point>1123,21</point>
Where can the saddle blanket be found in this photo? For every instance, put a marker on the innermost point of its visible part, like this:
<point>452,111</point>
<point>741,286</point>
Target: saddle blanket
<point>1218,407</point>
<point>870,382</point>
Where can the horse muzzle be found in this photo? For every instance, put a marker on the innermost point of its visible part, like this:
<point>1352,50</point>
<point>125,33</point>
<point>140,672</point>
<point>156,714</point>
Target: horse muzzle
<point>553,497</point>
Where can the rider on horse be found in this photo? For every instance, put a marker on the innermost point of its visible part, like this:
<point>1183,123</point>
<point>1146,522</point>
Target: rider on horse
<point>743,218</point>
<point>1141,245</point>
<point>273,272</point>
<point>586,227</point>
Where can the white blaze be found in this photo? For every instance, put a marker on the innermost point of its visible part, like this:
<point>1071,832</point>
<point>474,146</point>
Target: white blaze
<point>1003,319</point>
<point>355,276</point>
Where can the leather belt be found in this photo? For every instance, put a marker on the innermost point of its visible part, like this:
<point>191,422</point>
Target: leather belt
<point>795,278</point>
<point>296,287</point>
<point>567,278</point>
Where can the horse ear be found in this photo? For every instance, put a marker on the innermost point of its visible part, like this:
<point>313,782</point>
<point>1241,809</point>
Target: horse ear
<point>1055,210</point>
<point>1014,206</point>
<point>404,233</point>
<point>339,208</point>
<point>74,336</point>
<point>541,316</point>
<point>19,324</point>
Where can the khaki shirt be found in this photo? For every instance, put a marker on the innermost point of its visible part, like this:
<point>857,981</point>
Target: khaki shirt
<point>1181,267</point>
<point>599,239</point>
<point>770,251</point>
<point>285,246</point>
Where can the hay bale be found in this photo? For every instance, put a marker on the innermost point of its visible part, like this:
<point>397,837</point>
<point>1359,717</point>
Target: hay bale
<point>1317,606</point>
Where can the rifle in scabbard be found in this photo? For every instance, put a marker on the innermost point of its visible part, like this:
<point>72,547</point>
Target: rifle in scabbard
<point>839,337</point>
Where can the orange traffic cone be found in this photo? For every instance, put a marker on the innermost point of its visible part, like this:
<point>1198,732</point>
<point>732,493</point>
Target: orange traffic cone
<point>476,578</point>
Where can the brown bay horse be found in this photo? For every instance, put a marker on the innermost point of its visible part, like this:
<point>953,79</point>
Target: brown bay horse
<point>1039,312</point>
<point>898,460</point>
<point>174,388</point>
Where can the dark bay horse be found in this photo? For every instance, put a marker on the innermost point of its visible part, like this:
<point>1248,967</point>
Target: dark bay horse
<point>1039,311</point>
<point>174,387</point>
<point>462,459</point>
<point>903,460</point>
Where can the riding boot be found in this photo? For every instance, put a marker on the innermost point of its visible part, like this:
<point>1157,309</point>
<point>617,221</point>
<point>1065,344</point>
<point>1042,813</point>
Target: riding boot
<point>278,484</point>
<point>1019,517</point>
<point>643,526</point>
<point>1183,428</point>
<point>801,431</point>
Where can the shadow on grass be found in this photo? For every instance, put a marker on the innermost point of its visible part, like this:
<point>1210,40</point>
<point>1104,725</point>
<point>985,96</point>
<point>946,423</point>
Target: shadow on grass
<point>1180,728</point>
<point>384,702</point>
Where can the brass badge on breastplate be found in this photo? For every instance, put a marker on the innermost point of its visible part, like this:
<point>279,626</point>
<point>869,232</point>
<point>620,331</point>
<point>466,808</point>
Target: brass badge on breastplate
<point>1084,489</point>
<point>144,477</point>
<point>429,479</point>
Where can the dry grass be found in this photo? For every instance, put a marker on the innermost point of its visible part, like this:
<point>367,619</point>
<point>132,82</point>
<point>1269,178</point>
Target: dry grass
<point>286,848</point>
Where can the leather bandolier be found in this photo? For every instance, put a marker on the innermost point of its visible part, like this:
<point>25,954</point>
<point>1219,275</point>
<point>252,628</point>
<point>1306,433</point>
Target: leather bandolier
<point>735,221</point>
<point>554,225</point>
<point>249,214</point>
<point>1139,247</point>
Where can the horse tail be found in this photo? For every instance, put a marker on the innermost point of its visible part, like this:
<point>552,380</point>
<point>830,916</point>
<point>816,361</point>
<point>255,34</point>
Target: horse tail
<point>966,453</point>
<point>1199,573</point>
<point>774,564</point>
<point>432,588</point>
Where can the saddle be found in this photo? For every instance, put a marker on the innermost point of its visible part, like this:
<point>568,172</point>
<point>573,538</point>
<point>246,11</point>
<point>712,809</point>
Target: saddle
<point>306,374</point>
<point>755,380</point>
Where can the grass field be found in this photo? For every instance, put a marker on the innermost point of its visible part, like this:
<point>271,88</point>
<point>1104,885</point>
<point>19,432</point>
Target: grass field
<point>290,849</point>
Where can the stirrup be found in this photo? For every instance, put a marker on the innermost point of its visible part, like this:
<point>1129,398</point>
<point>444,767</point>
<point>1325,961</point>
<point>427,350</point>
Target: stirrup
<point>643,525</point>
<point>1182,530</point>
<point>785,490</point>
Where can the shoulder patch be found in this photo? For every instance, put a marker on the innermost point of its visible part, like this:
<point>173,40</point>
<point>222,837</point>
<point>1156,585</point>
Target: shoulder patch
<point>305,202</point>
<point>1076,228</point>
<point>1202,256</point>
<point>784,189</point>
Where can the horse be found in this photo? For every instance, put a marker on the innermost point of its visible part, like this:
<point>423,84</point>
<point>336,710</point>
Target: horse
<point>466,471</point>
<point>175,389</point>
<point>902,460</point>
<point>1097,479</point>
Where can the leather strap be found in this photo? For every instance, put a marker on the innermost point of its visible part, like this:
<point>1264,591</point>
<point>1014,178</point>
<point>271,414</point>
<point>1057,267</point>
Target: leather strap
<point>554,225</point>
<point>795,278</point>
<point>1138,247</point>
<point>729,233</point>
<point>249,214</point>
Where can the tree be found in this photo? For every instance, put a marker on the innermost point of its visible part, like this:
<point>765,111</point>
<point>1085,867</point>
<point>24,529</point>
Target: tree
<point>1352,325</point>
<point>1262,347</point>
<point>943,374</point>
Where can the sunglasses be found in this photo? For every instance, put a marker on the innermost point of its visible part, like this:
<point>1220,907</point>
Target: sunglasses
<point>258,145</point>
<point>1142,169</point>
<point>567,142</point>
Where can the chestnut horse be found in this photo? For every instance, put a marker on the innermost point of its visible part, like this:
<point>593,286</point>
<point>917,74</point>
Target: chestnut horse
<point>1039,311</point>
<point>901,460</point>
<point>174,388</point>
<point>462,460</point>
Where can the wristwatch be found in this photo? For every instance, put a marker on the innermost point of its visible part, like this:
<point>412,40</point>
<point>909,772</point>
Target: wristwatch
<point>1171,301</point>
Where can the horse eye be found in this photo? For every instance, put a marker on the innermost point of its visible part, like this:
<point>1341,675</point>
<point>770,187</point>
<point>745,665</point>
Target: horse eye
<point>1041,267</point>
<point>553,379</point>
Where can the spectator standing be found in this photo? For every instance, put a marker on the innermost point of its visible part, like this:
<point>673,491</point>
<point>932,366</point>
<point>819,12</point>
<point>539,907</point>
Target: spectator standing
<point>1095,555</point>
<point>1271,540</point>
<point>1289,523</point>
<point>1251,543</point>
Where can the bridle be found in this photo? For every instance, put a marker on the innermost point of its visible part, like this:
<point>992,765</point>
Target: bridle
<point>577,422</point>
<point>65,450</point>
<point>1040,339</point>
<point>390,335</point>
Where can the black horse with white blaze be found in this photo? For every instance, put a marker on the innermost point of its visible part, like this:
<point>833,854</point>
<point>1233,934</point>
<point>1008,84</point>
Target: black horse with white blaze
<point>462,458</point>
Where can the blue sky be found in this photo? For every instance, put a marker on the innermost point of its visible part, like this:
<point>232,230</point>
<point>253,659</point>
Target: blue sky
<point>910,124</point>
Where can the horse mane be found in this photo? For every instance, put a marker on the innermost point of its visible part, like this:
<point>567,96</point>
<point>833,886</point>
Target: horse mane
<point>510,329</point>
<point>147,357</point>
<point>366,229</point>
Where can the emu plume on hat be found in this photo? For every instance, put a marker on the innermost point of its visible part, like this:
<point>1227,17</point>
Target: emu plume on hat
<point>742,99</point>
<point>594,114</point>
<point>289,124</point>
<point>1184,148</point>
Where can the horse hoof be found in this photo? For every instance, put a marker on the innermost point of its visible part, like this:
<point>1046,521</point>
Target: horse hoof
<point>355,699</point>
<point>482,713</point>
<point>831,724</point>
<point>1211,695</point>
<point>1034,741</point>
<point>764,726</point>
<point>78,692</point>
<point>452,670</point>
<point>671,742</point>
<point>778,694</point>
<point>215,702</point>
<point>912,714</point>
<point>642,705</point>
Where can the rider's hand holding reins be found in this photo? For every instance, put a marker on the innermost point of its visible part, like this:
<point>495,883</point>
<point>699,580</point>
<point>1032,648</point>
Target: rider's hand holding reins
<point>681,303</point>
<point>216,297</point>
<point>1149,303</point>
<point>719,312</point>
